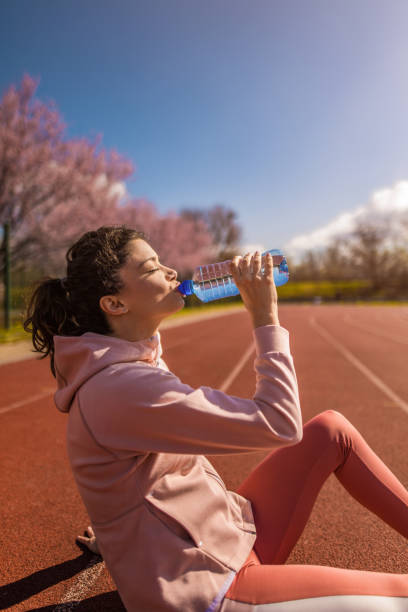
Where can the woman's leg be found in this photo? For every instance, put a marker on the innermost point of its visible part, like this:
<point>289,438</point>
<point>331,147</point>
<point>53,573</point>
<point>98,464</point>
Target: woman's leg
<point>284,486</point>
<point>282,490</point>
<point>314,588</point>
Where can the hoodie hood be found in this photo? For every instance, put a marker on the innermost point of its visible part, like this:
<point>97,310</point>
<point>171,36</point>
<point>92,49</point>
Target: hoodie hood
<point>77,358</point>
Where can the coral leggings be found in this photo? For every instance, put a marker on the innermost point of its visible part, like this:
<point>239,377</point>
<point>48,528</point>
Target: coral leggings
<point>282,490</point>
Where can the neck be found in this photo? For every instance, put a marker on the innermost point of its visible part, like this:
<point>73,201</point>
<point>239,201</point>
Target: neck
<point>134,332</point>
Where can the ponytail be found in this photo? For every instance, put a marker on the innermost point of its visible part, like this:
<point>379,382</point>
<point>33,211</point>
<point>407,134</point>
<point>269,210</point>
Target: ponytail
<point>49,314</point>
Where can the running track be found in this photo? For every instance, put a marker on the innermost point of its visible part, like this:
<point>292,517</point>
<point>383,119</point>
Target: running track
<point>348,358</point>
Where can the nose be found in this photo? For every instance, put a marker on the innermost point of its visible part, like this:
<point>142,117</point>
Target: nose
<point>172,274</point>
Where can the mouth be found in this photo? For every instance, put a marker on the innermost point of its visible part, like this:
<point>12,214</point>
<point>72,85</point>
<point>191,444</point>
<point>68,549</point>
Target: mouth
<point>176,290</point>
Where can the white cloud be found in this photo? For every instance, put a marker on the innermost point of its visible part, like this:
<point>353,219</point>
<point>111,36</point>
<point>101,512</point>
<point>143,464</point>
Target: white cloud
<point>389,204</point>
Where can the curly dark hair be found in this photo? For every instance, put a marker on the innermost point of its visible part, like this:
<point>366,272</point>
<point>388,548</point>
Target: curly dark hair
<point>72,308</point>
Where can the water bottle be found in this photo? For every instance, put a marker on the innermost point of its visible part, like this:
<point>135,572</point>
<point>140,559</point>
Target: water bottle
<point>214,281</point>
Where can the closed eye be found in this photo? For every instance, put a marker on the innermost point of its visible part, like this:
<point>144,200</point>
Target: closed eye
<point>154,270</point>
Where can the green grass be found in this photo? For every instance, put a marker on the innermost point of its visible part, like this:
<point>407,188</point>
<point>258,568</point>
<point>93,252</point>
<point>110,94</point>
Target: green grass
<point>307,290</point>
<point>14,334</point>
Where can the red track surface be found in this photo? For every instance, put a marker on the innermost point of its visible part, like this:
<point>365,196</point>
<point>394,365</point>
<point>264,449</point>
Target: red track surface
<point>41,512</point>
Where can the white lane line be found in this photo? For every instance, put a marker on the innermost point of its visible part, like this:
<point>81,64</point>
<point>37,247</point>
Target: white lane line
<point>375,332</point>
<point>33,398</point>
<point>227,382</point>
<point>82,585</point>
<point>360,366</point>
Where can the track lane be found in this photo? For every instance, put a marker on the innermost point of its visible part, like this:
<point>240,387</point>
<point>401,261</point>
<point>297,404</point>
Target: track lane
<point>48,513</point>
<point>375,348</point>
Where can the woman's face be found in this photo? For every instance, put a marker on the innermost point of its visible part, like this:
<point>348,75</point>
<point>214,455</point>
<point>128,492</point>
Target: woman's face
<point>149,286</point>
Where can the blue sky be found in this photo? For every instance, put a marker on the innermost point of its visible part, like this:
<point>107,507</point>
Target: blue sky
<point>292,112</point>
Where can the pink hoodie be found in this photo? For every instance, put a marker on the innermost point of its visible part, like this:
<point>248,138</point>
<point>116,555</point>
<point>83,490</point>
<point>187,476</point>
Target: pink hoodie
<point>172,536</point>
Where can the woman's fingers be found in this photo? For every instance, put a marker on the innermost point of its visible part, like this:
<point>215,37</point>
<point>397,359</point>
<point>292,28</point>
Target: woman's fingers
<point>269,266</point>
<point>250,265</point>
<point>83,539</point>
<point>89,542</point>
<point>91,534</point>
<point>257,263</point>
<point>235,265</point>
<point>245,266</point>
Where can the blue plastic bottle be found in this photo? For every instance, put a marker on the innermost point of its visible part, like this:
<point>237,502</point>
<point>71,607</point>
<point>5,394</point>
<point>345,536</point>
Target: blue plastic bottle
<point>214,281</point>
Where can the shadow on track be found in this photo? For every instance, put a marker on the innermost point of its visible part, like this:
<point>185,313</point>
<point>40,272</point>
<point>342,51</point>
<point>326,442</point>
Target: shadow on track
<point>16,592</point>
<point>109,602</point>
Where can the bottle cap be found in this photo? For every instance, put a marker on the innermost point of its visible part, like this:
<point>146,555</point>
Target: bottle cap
<point>186,287</point>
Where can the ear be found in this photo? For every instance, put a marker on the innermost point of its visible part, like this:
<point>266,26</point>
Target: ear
<point>112,305</point>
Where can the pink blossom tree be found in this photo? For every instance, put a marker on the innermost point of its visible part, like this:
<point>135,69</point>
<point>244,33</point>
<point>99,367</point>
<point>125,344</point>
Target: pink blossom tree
<point>223,227</point>
<point>181,243</point>
<point>52,191</point>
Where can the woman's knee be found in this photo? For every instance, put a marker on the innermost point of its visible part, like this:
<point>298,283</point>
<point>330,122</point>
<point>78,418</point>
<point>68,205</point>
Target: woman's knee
<point>331,423</point>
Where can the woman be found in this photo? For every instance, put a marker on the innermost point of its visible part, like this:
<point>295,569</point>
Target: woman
<point>171,534</point>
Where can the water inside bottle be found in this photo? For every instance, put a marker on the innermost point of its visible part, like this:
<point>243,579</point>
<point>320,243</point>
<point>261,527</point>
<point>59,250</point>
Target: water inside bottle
<point>215,281</point>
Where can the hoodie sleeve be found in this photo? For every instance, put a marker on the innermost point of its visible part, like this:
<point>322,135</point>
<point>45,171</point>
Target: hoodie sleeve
<point>135,408</point>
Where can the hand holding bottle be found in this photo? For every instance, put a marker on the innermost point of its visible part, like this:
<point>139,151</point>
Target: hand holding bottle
<point>258,291</point>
